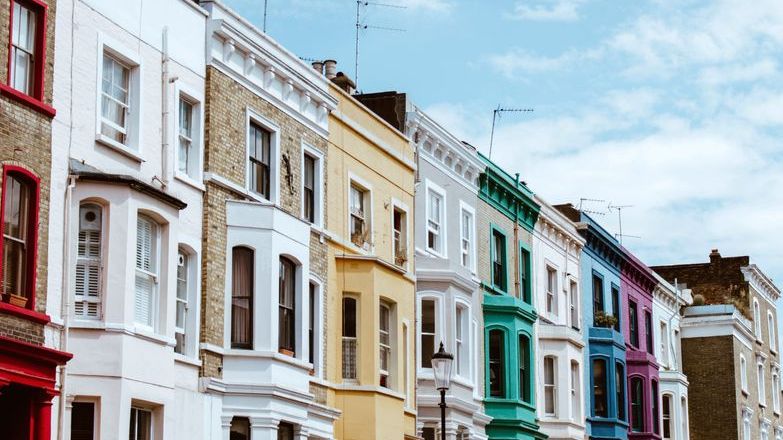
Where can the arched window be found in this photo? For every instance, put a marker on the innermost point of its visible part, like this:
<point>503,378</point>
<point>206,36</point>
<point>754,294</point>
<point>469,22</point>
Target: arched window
<point>550,386</point>
<point>684,418</point>
<point>242,297</point>
<point>637,404</point>
<point>20,216</point>
<point>524,369</point>
<point>349,338</point>
<point>385,348</point>
<point>89,262</point>
<point>771,331</point>
<point>497,378</point>
<point>287,307</point>
<point>147,262</point>
<point>667,416</point>
<point>744,373</point>
<point>185,300</point>
<point>461,341</point>
<point>239,428</point>
<point>600,401</point>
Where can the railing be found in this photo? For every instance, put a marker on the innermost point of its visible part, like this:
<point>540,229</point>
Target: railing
<point>349,358</point>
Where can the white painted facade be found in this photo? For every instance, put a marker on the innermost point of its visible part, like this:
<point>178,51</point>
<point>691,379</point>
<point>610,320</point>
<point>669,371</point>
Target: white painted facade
<point>667,303</point>
<point>446,277</point>
<point>559,369</point>
<point>121,324</point>
<point>261,385</point>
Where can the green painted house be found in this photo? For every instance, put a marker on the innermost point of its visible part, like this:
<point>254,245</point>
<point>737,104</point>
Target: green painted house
<point>507,214</point>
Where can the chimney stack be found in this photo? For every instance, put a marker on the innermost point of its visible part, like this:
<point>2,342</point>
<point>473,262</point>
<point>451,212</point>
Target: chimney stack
<point>714,256</point>
<point>318,66</point>
<point>330,68</point>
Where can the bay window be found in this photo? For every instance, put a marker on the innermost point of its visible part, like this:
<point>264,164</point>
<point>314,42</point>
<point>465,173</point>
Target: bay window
<point>147,262</point>
<point>619,385</point>
<point>576,404</point>
<point>239,428</point>
<point>656,410</point>
<point>637,404</point>
<point>242,261</point>
<point>667,417</point>
<point>524,369</point>
<point>140,424</point>
<point>89,262</point>
<point>183,289</point>
<point>460,332</point>
<point>287,309</point>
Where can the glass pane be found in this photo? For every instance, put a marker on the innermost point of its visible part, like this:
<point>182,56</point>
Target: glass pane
<point>428,316</point>
<point>349,317</point>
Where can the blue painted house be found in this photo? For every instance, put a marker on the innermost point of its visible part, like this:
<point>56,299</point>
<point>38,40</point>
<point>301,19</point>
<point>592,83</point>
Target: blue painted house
<point>605,358</point>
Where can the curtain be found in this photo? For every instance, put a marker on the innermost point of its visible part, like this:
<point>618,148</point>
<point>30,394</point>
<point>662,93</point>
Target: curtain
<point>242,298</point>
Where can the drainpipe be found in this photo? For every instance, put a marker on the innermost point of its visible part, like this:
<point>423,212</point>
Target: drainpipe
<point>65,302</point>
<point>516,243</point>
<point>164,131</point>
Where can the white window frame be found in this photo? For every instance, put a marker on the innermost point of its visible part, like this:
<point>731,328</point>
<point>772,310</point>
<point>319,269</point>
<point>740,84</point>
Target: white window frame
<point>34,57</point>
<point>757,319</point>
<point>405,241</point>
<point>663,327</point>
<point>462,345</point>
<point>743,374</point>
<point>387,373</point>
<point>437,336</point>
<point>318,197</point>
<point>195,177</point>
<point>441,249</point>
<point>192,308</point>
<point>133,146</point>
<point>576,391</point>
<point>574,314</point>
<point>550,300</point>
<point>99,261</point>
<point>773,341</point>
<point>548,386</point>
<point>465,208</point>
<point>356,339</point>
<point>318,325</point>
<point>354,180</point>
<point>155,276</point>
<point>257,118</point>
<point>762,388</point>
<point>775,391</point>
<point>151,413</point>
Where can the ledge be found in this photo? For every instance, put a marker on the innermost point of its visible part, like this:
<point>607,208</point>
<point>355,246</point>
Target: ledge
<point>27,100</point>
<point>30,315</point>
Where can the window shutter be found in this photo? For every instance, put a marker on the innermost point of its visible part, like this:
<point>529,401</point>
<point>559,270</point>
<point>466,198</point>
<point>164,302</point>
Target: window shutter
<point>87,289</point>
<point>145,276</point>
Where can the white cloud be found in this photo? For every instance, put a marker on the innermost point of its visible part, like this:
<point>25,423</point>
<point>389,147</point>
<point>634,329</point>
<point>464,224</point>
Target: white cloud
<point>427,5</point>
<point>738,72</point>
<point>557,10</point>
<point>515,63</point>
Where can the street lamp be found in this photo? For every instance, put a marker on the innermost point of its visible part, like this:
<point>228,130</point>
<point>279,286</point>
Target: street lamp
<point>441,369</point>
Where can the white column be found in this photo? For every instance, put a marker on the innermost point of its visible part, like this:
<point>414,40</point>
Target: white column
<point>225,427</point>
<point>263,428</point>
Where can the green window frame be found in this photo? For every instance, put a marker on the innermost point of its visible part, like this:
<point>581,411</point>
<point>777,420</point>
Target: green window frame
<point>498,259</point>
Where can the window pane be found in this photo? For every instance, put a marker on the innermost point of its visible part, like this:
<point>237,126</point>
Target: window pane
<point>497,385</point>
<point>17,195</point>
<point>242,298</point>
<point>82,421</point>
<point>240,429</point>
<point>309,188</point>
<point>619,383</point>
<point>287,290</point>
<point>600,406</point>
<point>524,368</point>
<point>260,160</point>
<point>349,338</point>
<point>427,332</point>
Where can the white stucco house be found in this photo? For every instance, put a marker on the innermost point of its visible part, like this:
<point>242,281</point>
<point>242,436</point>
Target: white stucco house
<point>126,217</point>
<point>556,276</point>
<point>668,300</point>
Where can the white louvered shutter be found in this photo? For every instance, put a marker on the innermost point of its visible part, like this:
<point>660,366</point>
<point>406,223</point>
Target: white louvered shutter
<point>87,289</point>
<point>146,235</point>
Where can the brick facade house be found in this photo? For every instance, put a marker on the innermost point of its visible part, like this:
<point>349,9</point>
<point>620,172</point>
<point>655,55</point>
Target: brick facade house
<point>732,329</point>
<point>27,367</point>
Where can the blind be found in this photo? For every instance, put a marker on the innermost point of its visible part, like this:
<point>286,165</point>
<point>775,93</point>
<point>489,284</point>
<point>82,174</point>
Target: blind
<point>146,232</point>
<point>87,282</point>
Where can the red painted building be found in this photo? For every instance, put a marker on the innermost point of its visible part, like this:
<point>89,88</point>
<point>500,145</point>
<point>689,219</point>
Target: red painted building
<point>28,368</point>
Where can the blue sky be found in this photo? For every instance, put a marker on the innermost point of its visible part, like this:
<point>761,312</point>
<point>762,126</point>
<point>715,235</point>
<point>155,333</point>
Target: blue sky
<point>673,106</point>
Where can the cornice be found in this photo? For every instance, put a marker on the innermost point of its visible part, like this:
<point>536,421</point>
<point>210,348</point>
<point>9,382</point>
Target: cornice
<point>558,229</point>
<point>599,243</point>
<point>507,195</point>
<point>260,63</point>
<point>761,283</point>
<point>439,146</point>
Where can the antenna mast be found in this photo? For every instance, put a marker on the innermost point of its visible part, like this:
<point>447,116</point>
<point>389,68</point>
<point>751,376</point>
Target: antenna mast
<point>496,114</point>
<point>619,209</point>
<point>363,26</point>
<point>264,29</point>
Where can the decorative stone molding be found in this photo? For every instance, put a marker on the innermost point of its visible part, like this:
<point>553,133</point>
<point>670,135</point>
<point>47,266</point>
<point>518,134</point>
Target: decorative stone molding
<point>761,283</point>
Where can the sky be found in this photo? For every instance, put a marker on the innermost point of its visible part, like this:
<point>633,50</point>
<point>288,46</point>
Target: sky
<point>674,107</point>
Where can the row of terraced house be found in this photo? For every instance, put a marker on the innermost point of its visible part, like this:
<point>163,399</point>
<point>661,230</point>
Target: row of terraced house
<point>204,237</point>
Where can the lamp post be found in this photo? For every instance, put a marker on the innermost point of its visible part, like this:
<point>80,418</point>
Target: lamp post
<point>441,369</point>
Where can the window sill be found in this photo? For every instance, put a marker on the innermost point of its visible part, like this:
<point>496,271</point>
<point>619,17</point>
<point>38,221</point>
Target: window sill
<point>187,180</point>
<point>30,315</point>
<point>120,148</point>
<point>433,253</point>
<point>745,393</point>
<point>27,100</point>
<point>187,360</point>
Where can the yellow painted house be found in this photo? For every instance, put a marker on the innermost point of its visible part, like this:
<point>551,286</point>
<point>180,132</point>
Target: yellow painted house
<point>371,300</point>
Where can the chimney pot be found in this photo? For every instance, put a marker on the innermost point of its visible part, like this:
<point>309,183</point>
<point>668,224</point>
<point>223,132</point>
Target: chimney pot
<point>342,81</point>
<point>318,66</point>
<point>330,68</point>
<point>714,256</point>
